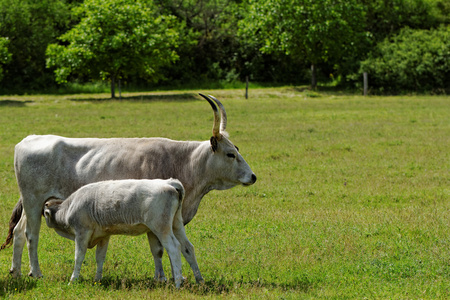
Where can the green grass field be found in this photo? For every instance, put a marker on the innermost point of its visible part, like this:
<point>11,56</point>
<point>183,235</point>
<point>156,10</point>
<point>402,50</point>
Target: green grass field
<point>351,202</point>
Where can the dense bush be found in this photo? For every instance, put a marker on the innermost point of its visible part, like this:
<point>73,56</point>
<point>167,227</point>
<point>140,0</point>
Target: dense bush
<point>417,60</point>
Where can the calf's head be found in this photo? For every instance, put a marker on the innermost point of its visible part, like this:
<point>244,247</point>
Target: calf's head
<point>50,209</point>
<point>226,163</point>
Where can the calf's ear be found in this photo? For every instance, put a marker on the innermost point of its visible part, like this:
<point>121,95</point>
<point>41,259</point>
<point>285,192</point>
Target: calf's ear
<point>214,143</point>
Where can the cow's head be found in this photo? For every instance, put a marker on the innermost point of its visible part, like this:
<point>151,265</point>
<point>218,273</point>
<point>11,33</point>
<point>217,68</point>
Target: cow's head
<point>227,166</point>
<point>50,209</point>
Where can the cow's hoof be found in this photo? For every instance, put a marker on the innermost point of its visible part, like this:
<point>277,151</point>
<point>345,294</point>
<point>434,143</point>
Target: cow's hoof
<point>15,273</point>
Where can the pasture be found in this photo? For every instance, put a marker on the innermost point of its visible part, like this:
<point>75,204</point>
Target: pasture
<point>352,197</point>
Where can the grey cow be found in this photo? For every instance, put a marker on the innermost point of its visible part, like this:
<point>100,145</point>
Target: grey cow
<point>130,207</point>
<point>51,166</point>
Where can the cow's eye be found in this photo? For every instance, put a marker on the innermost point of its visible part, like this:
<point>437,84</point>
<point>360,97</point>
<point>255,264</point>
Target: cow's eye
<point>231,155</point>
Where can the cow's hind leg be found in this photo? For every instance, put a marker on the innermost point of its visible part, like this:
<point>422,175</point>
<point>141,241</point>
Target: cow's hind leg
<point>33,225</point>
<point>186,247</point>
<point>157,252</point>
<point>18,245</point>
<point>100,255</point>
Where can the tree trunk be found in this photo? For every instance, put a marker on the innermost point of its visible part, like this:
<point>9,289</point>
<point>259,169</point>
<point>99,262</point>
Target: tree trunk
<point>313,76</point>
<point>113,92</point>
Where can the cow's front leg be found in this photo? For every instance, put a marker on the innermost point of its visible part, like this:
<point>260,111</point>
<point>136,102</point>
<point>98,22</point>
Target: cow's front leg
<point>100,255</point>
<point>157,252</point>
<point>186,248</point>
<point>33,225</point>
<point>81,243</point>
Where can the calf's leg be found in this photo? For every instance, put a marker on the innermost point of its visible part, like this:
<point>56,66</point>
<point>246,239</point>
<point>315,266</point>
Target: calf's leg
<point>171,244</point>
<point>100,255</point>
<point>81,244</point>
<point>157,252</point>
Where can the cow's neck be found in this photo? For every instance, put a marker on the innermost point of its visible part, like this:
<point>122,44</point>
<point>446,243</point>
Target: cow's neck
<point>190,166</point>
<point>195,180</point>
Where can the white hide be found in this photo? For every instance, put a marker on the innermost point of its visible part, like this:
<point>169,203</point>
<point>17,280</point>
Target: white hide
<point>128,207</point>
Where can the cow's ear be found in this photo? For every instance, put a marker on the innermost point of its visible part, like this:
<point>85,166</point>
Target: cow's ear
<point>214,143</point>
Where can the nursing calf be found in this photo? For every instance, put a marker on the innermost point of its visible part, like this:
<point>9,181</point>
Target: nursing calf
<point>130,207</point>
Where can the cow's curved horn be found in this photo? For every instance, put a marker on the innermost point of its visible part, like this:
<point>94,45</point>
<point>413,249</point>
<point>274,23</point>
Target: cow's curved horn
<point>217,123</point>
<point>223,114</point>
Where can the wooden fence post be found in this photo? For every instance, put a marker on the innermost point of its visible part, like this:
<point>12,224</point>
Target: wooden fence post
<point>120,91</point>
<point>366,83</point>
<point>246,87</point>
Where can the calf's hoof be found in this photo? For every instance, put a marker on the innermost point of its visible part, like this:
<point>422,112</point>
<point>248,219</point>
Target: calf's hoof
<point>160,279</point>
<point>178,283</point>
<point>200,280</point>
<point>38,275</point>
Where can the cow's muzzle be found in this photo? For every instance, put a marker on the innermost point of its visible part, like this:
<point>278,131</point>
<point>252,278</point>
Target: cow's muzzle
<point>252,180</point>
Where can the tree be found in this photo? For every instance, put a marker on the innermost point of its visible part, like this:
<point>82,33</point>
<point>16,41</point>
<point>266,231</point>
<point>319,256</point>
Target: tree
<point>29,26</point>
<point>5,56</point>
<point>114,39</point>
<point>208,41</point>
<point>308,30</point>
<point>385,18</point>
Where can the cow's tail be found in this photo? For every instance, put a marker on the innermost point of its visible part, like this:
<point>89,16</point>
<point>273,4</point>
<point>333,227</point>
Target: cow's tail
<point>16,214</point>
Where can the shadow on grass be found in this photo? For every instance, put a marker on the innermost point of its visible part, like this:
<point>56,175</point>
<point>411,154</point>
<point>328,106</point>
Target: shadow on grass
<point>14,103</point>
<point>220,286</point>
<point>165,97</point>
<point>226,286</point>
<point>209,287</point>
<point>11,285</point>
<point>326,90</point>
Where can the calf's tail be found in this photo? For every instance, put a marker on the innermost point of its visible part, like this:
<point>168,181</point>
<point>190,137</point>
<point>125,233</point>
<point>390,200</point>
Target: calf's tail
<point>15,217</point>
<point>179,187</point>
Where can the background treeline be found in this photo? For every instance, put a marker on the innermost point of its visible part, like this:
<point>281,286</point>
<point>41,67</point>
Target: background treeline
<point>404,45</point>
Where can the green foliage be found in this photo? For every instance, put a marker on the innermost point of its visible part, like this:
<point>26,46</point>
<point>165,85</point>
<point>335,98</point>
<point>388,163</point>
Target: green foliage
<point>5,56</point>
<point>208,42</point>
<point>270,41</point>
<point>30,26</point>
<point>386,18</point>
<point>311,31</point>
<point>309,28</point>
<point>114,39</point>
<point>416,60</point>
<point>351,202</point>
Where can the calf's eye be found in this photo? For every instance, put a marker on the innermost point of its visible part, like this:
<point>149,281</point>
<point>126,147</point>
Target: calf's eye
<point>231,155</point>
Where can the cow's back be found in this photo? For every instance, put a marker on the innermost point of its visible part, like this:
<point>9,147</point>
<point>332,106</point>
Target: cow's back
<point>52,166</point>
